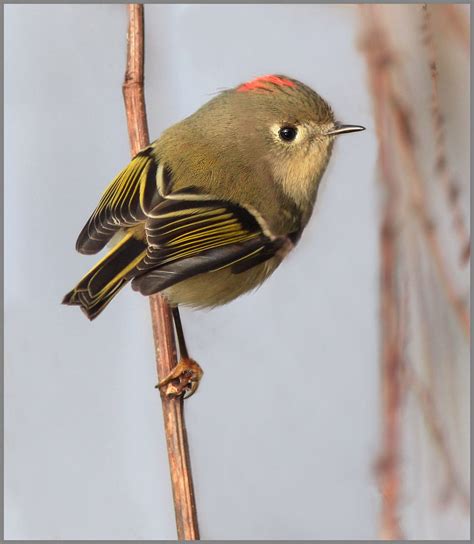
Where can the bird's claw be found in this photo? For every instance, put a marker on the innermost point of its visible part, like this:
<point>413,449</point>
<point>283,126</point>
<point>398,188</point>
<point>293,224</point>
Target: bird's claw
<point>182,380</point>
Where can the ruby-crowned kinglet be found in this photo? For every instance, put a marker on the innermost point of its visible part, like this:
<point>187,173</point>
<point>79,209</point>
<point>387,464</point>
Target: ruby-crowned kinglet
<point>209,210</point>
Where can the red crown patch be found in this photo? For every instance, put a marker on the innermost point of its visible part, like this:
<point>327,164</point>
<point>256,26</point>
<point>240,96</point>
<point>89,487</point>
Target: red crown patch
<point>262,83</point>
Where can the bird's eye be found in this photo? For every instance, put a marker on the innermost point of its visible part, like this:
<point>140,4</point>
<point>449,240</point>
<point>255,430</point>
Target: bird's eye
<point>287,133</point>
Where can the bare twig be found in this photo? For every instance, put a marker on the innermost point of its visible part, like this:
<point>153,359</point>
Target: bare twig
<point>424,313</point>
<point>403,126</point>
<point>451,188</point>
<point>162,321</point>
<point>388,467</point>
<point>438,434</point>
<point>406,204</point>
<point>381,59</point>
<point>392,363</point>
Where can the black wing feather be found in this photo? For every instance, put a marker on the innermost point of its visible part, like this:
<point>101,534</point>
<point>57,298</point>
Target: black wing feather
<point>187,238</point>
<point>124,203</point>
<point>208,261</point>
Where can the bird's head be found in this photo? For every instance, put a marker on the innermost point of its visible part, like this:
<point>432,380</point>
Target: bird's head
<point>289,125</point>
<point>273,125</point>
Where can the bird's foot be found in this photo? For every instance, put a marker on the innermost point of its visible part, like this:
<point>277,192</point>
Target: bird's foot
<point>182,380</point>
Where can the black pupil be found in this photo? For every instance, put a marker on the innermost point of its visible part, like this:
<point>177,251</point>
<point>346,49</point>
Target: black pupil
<point>288,133</point>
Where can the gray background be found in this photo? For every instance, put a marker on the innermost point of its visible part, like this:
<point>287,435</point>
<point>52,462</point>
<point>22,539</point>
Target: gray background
<point>284,429</point>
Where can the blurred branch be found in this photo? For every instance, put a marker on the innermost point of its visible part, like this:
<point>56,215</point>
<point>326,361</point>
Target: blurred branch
<point>428,409</point>
<point>162,320</point>
<point>388,467</point>
<point>404,131</point>
<point>423,388</point>
<point>406,217</point>
<point>451,188</point>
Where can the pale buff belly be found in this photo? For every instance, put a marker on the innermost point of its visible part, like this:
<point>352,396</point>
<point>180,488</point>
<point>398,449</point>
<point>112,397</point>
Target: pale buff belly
<point>215,288</point>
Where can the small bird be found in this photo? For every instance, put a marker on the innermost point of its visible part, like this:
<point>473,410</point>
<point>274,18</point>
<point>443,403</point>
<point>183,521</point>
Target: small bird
<point>210,209</point>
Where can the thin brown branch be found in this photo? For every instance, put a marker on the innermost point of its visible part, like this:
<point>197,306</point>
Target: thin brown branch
<point>423,388</point>
<point>381,58</point>
<point>405,204</point>
<point>451,188</point>
<point>388,467</point>
<point>438,435</point>
<point>403,126</point>
<point>162,321</point>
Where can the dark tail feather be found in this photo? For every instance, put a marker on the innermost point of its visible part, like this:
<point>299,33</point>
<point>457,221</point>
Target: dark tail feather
<point>98,287</point>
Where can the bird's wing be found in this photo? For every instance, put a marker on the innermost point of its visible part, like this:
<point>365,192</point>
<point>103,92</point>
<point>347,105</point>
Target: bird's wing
<point>124,203</point>
<point>189,234</point>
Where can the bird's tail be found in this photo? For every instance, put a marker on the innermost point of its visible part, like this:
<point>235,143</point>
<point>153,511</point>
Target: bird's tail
<point>97,288</point>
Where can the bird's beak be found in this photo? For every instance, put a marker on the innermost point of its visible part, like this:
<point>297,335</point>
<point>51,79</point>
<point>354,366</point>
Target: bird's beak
<point>343,129</point>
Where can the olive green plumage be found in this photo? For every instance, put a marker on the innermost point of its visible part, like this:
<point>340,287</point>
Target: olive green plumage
<point>209,210</point>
